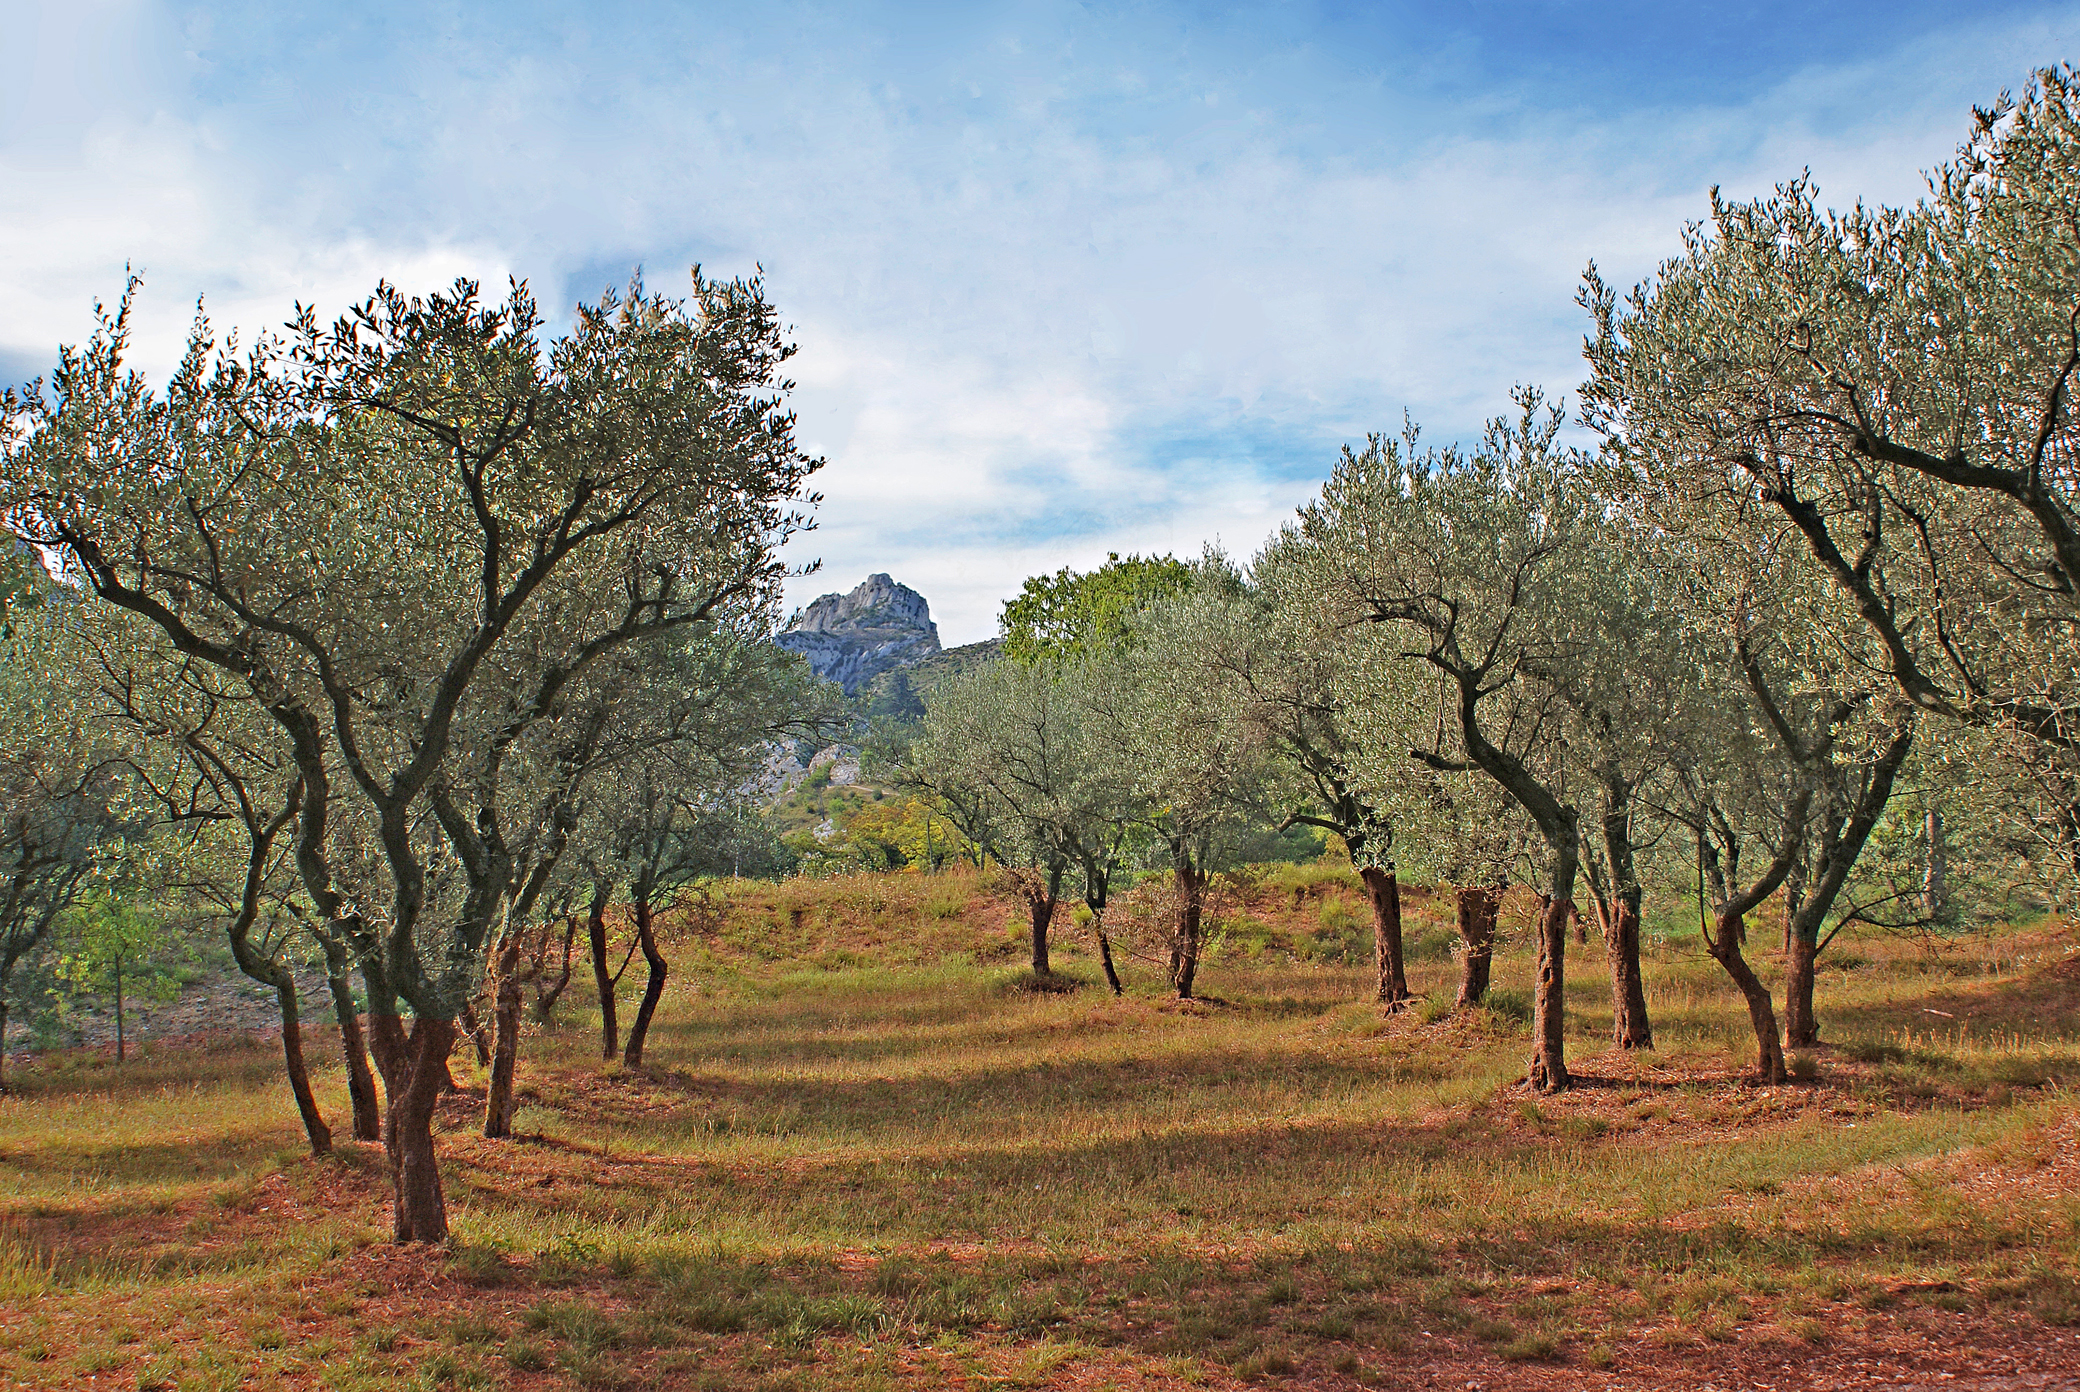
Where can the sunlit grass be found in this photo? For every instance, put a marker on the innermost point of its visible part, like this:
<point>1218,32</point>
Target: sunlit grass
<point>902,1173</point>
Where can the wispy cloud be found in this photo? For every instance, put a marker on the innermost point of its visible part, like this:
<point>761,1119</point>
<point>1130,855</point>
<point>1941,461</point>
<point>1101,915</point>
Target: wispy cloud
<point>1066,280</point>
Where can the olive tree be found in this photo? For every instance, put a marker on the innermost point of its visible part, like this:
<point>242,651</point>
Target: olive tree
<point>1465,557</point>
<point>1894,384</point>
<point>361,520</point>
<point>1283,660</point>
<point>1186,759</point>
<point>62,818</point>
<point>1013,733</point>
<point>1786,746</point>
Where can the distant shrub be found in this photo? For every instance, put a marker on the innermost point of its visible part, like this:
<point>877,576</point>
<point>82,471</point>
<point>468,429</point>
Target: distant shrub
<point>1336,915</point>
<point>1243,934</point>
<point>1340,946</point>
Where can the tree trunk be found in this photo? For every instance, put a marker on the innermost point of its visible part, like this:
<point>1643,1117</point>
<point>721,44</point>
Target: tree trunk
<point>1384,890</point>
<point>314,1127</point>
<point>505,1051</point>
<point>387,1044</point>
<point>653,989</point>
<point>1630,1027</point>
<point>1105,952</point>
<point>1935,871</point>
<point>120,1042</point>
<point>419,1212</point>
<point>596,929</point>
<point>1548,1070</point>
<point>1191,886</point>
<point>474,1028</point>
<point>3,1043</point>
<point>1042,914</point>
<point>1761,1013</point>
<point>1801,1026</point>
<point>1478,906</point>
<point>545,997</point>
<point>361,1080</point>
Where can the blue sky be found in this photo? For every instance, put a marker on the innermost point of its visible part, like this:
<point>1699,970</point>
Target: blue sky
<point>1067,278</point>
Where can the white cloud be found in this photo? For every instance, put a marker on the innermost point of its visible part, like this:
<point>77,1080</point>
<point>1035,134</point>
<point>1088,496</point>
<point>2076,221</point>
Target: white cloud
<point>1050,305</point>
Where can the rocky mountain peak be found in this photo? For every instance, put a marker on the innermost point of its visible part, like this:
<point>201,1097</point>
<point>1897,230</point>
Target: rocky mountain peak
<point>853,638</point>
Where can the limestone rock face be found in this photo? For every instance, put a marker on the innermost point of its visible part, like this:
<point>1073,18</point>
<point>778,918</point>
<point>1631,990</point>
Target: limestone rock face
<point>853,638</point>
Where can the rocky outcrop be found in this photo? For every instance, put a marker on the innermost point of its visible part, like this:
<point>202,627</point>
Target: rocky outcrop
<point>853,638</point>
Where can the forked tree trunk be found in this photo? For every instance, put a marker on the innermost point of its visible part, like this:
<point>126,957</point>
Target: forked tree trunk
<point>1801,1026</point>
<point>314,1128</point>
<point>505,1050</point>
<point>1191,886</point>
<point>1548,1068</point>
<point>596,930</point>
<point>1384,890</point>
<point>1041,912</point>
<point>653,989</point>
<point>361,1079</point>
<point>1629,1025</point>
<point>1762,1015</point>
<point>1478,906</point>
<point>546,996</point>
<point>1095,887</point>
<point>419,1212</point>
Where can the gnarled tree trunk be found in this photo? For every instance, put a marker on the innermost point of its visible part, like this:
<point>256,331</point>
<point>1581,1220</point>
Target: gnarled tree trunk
<point>1629,1025</point>
<point>1478,907</point>
<point>1191,908</point>
<point>474,1029</point>
<point>1040,910</point>
<point>361,1079</point>
<point>1548,1068</point>
<point>1801,1026</point>
<point>653,989</point>
<point>596,930</point>
<point>505,1049</point>
<point>547,990</point>
<point>1384,890</point>
<point>1725,948</point>
<point>314,1127</point>
<point>419,1212</point>
<point>1105,952</point>
<point>1042,892</point>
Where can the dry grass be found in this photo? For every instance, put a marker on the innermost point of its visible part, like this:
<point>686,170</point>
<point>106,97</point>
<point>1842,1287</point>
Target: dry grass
<point>857,1162</point>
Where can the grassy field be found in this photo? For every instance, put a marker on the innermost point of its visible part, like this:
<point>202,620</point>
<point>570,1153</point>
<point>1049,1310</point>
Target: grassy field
<point>863,1157</point>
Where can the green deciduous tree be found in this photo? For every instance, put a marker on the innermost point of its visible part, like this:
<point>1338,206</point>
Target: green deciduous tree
<point>1085,613</point>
